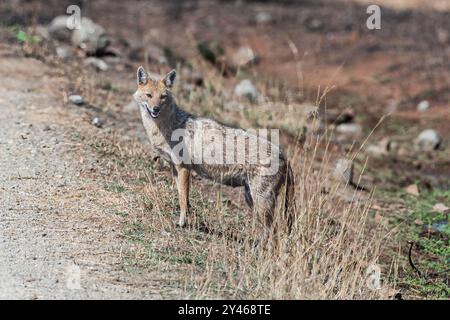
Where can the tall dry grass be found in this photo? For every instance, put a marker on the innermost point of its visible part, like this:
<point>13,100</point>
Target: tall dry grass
<point>222,254</point>
<point>326,256</point>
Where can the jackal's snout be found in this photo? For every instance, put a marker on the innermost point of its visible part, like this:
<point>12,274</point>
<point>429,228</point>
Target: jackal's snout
<point>154,112</point>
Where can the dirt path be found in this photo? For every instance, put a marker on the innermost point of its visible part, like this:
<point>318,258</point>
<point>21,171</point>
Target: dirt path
<point>52,245</point>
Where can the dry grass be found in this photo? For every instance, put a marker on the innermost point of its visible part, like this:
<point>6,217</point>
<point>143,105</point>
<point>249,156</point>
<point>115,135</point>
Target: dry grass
<point>326,256</point>
<point>220,255</point>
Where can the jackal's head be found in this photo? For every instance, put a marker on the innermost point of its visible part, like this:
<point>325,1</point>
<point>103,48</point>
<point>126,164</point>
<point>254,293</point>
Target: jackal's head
<point>154,95</point>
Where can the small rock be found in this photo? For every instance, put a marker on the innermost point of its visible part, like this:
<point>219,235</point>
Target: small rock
<point>376,150</point>
<point>344,170</point>
<point>76,99</point>
<point>97,122</point>
<point>191,76</point>
<point>393,146</point>
<point>423,106</point>
<point>244,56</point>
<point>349,128</point>
<point>412,189</point>
<point>58,28</point>
<point>245,88</point>
<point>97,63</point>
<point>90,37</point>
<point>314,24</point>
<point>418,222</point>
<point>387,144</point>
<point>381,148</point>
<point>64,52</point>
<point>440,207</point>
<point>337,117</point>
<point>428,140</point>
<point>263,18</point>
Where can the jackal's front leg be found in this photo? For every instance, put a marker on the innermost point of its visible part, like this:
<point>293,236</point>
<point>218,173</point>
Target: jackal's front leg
<point>182,179</point>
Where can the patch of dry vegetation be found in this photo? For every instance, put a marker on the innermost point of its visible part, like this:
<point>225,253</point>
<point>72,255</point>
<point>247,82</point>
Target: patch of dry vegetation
<point>221,255</point>
<point>326,255</point>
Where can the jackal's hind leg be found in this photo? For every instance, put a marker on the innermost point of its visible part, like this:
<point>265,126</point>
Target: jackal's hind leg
<point>248,195</point>
<point>264,208</point>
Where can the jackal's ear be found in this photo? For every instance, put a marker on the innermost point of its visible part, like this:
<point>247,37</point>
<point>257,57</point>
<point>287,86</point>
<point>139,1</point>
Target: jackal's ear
<point>142,77</point>
<point>169,79</point>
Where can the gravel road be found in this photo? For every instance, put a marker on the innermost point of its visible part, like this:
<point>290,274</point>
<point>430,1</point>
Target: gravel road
<point>54,243</point>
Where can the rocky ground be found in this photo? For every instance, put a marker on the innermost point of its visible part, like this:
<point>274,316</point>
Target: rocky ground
<point>382,99</point>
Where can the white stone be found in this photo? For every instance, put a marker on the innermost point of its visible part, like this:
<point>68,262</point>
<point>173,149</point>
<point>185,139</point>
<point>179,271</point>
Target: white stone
<point>263,18</point>
<point>243,57</point>
<point>97,122</point>
<point>428,140</point>
<point>245,88</point>
<point>97,63</point>
<point>76,99</point>
<point>349,128</point>
<point>423,106</point>
<point>344,170</point>
<point>64,52</point>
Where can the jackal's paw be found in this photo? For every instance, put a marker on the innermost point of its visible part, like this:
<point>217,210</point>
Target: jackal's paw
<point>181,224</point>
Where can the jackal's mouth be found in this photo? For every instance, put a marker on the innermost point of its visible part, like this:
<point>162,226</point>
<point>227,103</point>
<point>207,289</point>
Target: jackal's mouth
<point>154,114</point>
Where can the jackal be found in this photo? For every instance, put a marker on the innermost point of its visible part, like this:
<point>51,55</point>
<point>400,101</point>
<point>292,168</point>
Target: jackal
<point>181,138</point>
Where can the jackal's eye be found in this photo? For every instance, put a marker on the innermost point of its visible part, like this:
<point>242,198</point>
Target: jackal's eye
<point>163,96</point>
<point>148,95</point>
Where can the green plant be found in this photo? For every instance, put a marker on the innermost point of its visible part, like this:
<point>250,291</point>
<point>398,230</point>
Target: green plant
<point>21,36</point>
